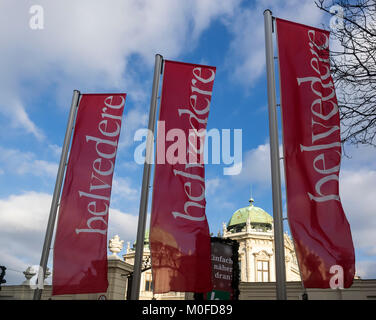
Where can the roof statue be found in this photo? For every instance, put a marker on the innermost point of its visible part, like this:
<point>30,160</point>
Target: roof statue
<point>115,246</point>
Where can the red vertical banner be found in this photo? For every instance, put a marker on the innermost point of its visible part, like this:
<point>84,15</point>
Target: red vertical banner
<point>312,155</point>
<point>80,249</point>
<point>179,231</point>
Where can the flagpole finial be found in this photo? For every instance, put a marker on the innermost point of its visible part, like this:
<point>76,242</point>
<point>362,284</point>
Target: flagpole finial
<point>268,10</point>
<point>158,56</point>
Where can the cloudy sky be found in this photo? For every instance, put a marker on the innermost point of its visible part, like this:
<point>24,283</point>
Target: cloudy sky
<point>109,46</point>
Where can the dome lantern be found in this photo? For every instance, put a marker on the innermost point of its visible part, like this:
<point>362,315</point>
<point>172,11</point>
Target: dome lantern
<point>258,218</point>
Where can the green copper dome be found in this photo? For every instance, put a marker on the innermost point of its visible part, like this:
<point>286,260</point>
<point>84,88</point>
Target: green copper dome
<point>258,218</point>
<point>146,240</point>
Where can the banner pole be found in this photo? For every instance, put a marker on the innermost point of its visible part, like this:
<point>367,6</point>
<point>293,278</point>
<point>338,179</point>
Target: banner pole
<point>135,292</point>
<point>56,195</point>
<point>274,158</point>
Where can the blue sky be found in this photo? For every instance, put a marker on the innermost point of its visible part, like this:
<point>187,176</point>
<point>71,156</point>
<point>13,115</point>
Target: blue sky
<point>94,47</point>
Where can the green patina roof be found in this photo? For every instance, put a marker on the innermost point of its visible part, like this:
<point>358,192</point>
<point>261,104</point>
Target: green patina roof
<point>146,238</point>
<point>256,215</point>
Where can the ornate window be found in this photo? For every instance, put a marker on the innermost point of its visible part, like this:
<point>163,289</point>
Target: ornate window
<point>148,282</point>
<point>262,267</point>
<point>262,271</point>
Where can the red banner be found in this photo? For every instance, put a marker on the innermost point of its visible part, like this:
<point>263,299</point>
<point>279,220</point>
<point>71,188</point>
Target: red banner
<point>179,231</point>
<point>80,250</point>
<point>312,155</point>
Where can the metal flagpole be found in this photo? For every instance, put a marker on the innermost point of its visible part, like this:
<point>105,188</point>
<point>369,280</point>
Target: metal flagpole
<point>135,292</point>
<point>56,194</point>
<point>274,158</point>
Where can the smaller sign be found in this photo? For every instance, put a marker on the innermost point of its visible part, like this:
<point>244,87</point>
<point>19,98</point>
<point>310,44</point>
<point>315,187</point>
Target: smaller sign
<point>225,269</point>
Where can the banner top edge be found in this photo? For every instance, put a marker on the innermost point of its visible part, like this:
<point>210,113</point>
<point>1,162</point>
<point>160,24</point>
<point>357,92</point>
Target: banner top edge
<point>102,94</point>
<point>302,25</point>
<point>191,64</point>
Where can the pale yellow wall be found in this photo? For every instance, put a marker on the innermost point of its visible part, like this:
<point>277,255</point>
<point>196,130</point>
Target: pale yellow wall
<point>255,245</point>
<point>360,290</point>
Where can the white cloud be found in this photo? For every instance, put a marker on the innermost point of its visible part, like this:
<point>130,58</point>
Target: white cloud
<point>122,187</point>
<point>122,224</point>
<point>26,212</point>
<point>133,120</point>
<point>56,150</point>
<point>256,167</point>
<point>247,58</point>
<point>358,194</point>
<point>15,267</point>
<point>358,157</point>
<point>17,162</point>
<point>211,185</point>
<point>20,119</point>
<point>89,44</point>
<point>204,11</point>
<point>23,221</point>
<point>366,269</point>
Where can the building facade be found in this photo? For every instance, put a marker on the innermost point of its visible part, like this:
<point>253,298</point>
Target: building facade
<point>252,227</point>
<point>146,286</point>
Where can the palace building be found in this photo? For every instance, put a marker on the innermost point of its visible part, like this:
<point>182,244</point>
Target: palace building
<point>252,227</point>
<point>146,287</point>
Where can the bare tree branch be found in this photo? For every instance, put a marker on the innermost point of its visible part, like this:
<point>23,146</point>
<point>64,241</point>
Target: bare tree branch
<point>353,66</point>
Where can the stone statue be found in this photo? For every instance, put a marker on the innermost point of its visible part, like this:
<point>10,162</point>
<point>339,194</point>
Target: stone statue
<point>115,245</point>
<point>29,273</point>
<point>224,227</point>
<point>248,224</point>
